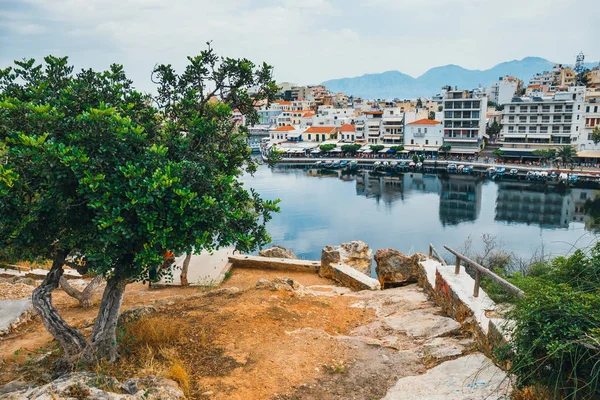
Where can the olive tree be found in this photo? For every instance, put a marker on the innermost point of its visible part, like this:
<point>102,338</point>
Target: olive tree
<point>99,176</point>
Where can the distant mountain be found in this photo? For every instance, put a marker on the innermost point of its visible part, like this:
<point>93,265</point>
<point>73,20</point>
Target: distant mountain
<point>394,84</point>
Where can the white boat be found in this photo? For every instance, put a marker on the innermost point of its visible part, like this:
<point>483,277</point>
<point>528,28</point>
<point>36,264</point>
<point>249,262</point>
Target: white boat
<point>460,168</point>
<point>514,171</point>
<point>544,175</point>
<point>563,176</point>
<point>394,164</point>
<point>491,170</point>
<point>377,164</point>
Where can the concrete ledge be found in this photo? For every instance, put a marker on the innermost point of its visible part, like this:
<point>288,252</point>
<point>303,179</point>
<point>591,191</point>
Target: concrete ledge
<point>454,293</point>
<point>348,276</point>
<point>35,273</point>
<point>282,264</point>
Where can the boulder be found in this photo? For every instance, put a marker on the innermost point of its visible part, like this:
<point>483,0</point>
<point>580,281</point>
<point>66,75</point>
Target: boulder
<point>276,284</point>
<point>394,268</point>
<point>135,313</point>
<point>355,254</point>
<point>277,252</point>
<point>88,385</point>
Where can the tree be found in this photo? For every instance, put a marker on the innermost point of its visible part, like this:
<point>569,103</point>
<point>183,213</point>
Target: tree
<point>565,154</point>
<point>351,148</point>
<point>327,147</point>
<point>494,129</point>
<point>398,148</point>
<point>498,153</point>
<point>415,158</point>
<point>596,135</point>
<point>440,108</point>
<point>419,103</point>
<point>432,115</point>
<point>96,173</point>
<point>445,148</point>
<point>376,148</point>
<point>544,154</point>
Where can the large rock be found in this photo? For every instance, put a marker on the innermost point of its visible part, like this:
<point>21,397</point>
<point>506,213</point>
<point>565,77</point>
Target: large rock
<point>135,313</point>
<point>355,254</point>
<point>394,268</point>
<point>277,252</point>
<point>87,385</point>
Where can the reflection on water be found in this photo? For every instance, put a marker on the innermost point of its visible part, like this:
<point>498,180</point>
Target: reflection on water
<point>408,211</point>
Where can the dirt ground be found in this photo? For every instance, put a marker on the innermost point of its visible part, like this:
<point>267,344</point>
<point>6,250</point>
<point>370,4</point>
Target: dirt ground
<point>247,344</point>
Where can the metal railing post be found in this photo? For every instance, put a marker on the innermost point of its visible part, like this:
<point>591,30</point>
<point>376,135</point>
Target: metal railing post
<point>457,266</point>
<point>430,250</point>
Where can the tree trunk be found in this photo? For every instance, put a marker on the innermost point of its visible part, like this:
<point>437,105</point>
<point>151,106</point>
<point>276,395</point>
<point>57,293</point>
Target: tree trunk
<point>184,268</point>
<point>85,296</point>
<point>104,335</point>
<point>70,339</point>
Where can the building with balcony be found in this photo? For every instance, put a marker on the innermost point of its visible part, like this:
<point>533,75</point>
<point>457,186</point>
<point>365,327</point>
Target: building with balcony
<point>464,120</point>
<point>504,89</point>
<point>460,199</point>
<point>423,135</point>
<point>587,150</point>
<point>373,126</point>
<point>541,122</point>
<point>285,133</point>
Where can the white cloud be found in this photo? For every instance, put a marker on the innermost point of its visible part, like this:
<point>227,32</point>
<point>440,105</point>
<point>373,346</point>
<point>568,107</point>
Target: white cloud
<point>307,41</point>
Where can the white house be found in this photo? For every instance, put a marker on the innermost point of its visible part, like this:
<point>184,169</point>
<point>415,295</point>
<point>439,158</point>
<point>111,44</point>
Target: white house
<point>347,133</point>
<point>423,135</point>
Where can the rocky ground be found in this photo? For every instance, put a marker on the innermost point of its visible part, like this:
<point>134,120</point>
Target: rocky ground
<point>261,336</point>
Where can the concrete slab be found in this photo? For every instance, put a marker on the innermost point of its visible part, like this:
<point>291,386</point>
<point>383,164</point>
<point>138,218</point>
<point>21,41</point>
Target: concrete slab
<point>349,277</point>
<point>11,311</point>
<point>281,264</point>
<point>423,324</point>
<point>205,269</point>
<point>472,377</point>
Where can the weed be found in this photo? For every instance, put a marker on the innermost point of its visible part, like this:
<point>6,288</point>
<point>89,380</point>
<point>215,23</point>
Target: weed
<point>337,367</point>
<point>180,375</point>
<point>79,392</point>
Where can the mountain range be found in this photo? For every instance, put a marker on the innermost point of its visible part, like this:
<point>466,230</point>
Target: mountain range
<point>395,84</point>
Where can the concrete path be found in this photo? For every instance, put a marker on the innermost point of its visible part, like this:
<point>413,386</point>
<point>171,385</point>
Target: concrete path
<point>472,377</point>
<point>11,310</point>
<point>204,270</point>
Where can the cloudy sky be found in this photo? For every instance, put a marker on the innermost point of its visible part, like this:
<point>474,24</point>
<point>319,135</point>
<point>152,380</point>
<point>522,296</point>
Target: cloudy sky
<point>307,41</point>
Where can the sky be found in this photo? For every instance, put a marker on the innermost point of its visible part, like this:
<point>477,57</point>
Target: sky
<point>307,41</point>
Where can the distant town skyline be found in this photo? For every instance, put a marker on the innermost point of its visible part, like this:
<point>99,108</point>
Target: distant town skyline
<point>307,41</point>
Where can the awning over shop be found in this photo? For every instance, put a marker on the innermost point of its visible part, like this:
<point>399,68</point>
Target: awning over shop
<point>316,151</point>
<point>588,154</point>
<point>368,151</point>
<point>463,151</point>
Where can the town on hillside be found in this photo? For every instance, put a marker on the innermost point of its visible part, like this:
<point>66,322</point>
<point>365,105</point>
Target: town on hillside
<point>508,120</point>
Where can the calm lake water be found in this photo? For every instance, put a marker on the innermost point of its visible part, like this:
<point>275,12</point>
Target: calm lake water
<point>408,211</point>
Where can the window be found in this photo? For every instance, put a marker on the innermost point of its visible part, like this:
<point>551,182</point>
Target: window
<point>419,130</point>
<point>309,136</point>
<point>533,119</point>
<point>511,128</point>
<point>578,106</point>
<point>595,109</point>
<point>587,109</point>
<point>558,108</point>
<point>522,119</point>
<point>524,108</point>
<point>323,137</point>
<point>555,129</point>
<point>546,119</point>
<point>521,129</point>
<point>511,119</point>
<point>448,114</point>
<point>425,130</point>
<point>532,129</point>
<point>545,108</point>
<point>426,141</point>
<point>544,129</point>
<point>534,108</point>
<point>511,108</point>
<point>412,141</point>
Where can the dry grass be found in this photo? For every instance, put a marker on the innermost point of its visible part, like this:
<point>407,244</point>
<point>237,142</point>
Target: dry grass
<point>531,393</point>
<point>149,344</point>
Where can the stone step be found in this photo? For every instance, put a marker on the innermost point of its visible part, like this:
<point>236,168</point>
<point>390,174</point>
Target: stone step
<point>348,276</point>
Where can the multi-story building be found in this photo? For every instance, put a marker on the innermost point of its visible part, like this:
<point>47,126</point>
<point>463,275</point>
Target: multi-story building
<point>586,147</point>
<point>504,89</point>
<point>372,126</point>
<point>464,120</point>
<point>532,123</point>
<point>392,126</point>
<point>347,133</point>
<point>319,133</point>
<point>423,135</point>
<point>460,199</point>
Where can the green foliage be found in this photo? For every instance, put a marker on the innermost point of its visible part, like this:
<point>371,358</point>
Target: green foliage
<point>95,170</point>
<point>445,148</point>
<point>494,129</point>
<point>440,108</point>
<point>415,158</point>
<point>544,154</point>
<point>419,103</point>
<point>596,135</point>
<point>351,148</point>
<point>498,153</point>
<point>432,115</point>
<point>376,147</point>
<point>397,148</point>
<point>556,333</point>
<point>327,147</point>
<point>565,154</point>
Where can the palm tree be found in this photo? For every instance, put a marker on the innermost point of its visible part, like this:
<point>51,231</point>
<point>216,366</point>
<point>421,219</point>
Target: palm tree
<point>565,154</point>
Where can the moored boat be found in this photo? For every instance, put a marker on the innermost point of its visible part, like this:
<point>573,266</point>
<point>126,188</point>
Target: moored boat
<point>451,168</point>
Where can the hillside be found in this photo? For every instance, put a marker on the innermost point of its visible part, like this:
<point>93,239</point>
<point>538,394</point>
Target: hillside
<point>395,84</point>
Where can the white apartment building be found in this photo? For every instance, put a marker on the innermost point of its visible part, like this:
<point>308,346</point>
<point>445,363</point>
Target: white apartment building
<point>372,126</point>
<point>392,126</point>
<point>423,135</point>
<point>591,119</point>
<point>464,120</point>
<point>503,90</point>
<point>532,123</point>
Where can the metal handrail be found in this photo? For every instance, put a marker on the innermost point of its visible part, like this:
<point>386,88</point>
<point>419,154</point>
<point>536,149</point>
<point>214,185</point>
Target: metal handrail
<point>481,270</point>
<point>434,253</point>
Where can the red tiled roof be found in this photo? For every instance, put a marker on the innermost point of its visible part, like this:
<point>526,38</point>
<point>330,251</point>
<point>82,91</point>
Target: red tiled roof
<point>424,121</point>
<point>284,128</point>
<point>373,112</point>
<point>285,103</point>
<point>347,128</point>
<point>320,129</point>
<point>308,114</point>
